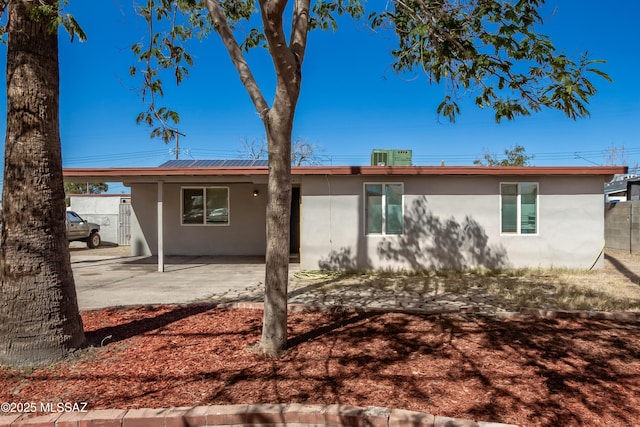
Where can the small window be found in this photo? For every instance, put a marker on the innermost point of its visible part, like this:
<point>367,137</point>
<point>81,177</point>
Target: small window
<point>205,206</point>
<point>383,208</point>
<point>519,208</point>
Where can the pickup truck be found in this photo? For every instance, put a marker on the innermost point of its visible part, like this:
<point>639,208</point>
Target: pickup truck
<point>80,230</point>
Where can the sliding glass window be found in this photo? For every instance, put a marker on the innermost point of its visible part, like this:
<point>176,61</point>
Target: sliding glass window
<point>519,208</point>
<point>384,208</point>
<point>205,206</point>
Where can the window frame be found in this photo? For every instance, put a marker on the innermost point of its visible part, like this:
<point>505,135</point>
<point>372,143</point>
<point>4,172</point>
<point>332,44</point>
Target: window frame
<point>74,218</point>
<point>204,189</point>
<point>519,185</point>
<point>384,208</point>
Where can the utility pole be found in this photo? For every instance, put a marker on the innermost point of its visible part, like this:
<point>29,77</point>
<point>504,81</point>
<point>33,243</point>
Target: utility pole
<point>177,134</point>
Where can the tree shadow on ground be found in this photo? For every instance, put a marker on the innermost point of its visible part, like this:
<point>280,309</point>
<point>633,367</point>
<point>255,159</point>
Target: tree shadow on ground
<point>522,371</point>
<point>619,265</point>
<point>340,319</point>
<point>441,291</point>
<point>578,362</point>
<point>428,242</point>
<point>159,318</point>
<point>542,368</point>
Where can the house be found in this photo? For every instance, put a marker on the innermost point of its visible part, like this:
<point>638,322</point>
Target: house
<point>622,188</point>
<point>622,213</point>
<point>380,217</point>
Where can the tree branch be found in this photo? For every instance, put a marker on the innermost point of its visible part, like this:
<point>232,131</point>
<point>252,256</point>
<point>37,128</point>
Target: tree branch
<point>435,31</point>
<point>285,62</point>
<point>299,29</point>
<point>246,76</point>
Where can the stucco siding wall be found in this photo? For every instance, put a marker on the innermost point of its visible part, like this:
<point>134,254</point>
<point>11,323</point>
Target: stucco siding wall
<point>452,222</point>
<point>330,223</point>
<point>143,219</point>
<point>449,222</point>
<point>571,228</point>
<point>245,234</point>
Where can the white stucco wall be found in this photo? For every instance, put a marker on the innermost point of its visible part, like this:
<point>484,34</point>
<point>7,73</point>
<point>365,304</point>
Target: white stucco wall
<point>102,209</point>
<point>143,219</point>
<point>245,234</point>
<point>452,222</point>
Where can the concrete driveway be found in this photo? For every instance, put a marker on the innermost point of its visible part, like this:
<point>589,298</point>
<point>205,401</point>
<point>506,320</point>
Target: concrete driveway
<point>105,281</point>
<point>107,278</point>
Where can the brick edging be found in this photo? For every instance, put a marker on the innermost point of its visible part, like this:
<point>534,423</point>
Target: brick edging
<point>294,414</point>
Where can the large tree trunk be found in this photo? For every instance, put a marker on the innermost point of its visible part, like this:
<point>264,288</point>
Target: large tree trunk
<point>39,317</point>
<point>279,125</point>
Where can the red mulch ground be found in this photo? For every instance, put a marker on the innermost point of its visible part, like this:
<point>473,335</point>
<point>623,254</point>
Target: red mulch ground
<point>529,372</point>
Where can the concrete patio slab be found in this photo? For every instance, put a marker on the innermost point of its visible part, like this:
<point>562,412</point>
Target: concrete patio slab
<point>105,281</point>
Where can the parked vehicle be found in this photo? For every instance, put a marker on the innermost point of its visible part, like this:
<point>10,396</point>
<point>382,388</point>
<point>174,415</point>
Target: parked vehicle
<point>80,230</point>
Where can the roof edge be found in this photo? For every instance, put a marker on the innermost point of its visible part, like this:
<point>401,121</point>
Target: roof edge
<point>105,173</point>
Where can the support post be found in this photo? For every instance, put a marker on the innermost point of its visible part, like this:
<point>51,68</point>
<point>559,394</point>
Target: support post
<point>160,227</point>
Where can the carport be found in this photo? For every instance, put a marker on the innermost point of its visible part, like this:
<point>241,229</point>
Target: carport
<point>112,280</point>
<point>160,178</point>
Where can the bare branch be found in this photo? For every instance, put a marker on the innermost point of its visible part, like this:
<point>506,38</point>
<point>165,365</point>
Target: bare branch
<point>254,150</point>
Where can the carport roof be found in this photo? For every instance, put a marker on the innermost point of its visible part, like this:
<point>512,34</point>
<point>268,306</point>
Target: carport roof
<point>156,173</point>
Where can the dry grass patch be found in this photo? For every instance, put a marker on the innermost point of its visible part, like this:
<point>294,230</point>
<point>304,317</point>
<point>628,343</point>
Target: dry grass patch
<point>608,289</point>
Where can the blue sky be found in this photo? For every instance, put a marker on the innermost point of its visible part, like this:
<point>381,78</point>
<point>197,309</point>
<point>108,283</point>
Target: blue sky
<point>351,102</point>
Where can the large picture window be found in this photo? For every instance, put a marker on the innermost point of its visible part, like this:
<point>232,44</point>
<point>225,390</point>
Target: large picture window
<point>205,206</point>
<point>383,208</point>
<point>519,208</point>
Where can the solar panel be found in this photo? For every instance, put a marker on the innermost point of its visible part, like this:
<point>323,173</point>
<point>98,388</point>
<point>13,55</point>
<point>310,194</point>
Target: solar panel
<point>214,163</point>
<point>173,163</point>
<point>260,162</point>
<point>205,163</point>
<point>236,163</point>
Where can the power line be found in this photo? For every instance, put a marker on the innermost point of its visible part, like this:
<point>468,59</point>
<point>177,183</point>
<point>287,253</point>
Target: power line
<point>591,156</point>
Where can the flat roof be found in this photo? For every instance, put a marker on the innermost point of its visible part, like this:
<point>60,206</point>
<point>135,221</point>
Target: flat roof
<point>122,174</point>
<point>125,195</point>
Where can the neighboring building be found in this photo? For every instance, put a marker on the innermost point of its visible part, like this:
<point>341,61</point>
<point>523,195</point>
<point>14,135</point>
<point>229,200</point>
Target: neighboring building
<point>391,217</point>
<point>622,225</point>
<point>110,211</point>
<point>622,189</point>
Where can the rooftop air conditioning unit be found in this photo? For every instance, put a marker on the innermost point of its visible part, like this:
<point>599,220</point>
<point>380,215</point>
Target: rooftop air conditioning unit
<point>391,157</point>
<point>379,158</point>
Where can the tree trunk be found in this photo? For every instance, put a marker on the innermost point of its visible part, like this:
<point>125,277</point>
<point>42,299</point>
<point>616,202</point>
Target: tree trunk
<point>39,318</point>
<point>279,125</point>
